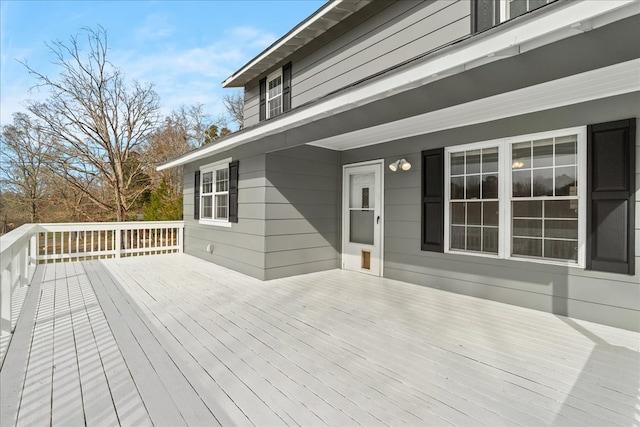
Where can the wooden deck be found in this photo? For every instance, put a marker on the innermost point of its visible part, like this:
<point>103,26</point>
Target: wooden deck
<point>173,340</point>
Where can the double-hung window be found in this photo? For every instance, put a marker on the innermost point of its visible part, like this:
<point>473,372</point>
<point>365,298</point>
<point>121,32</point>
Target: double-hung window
<point>512,8</point>
<point>488,13</point>
<point>274,94</point>
<point>521,197</point>
<point>214,192</point>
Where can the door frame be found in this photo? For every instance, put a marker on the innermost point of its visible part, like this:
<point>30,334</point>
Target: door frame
<point>345,205</point>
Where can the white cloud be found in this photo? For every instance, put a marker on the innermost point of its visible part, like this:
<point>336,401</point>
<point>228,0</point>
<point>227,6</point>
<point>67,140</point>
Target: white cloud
<point>184,76</point>
<point>155,27</point>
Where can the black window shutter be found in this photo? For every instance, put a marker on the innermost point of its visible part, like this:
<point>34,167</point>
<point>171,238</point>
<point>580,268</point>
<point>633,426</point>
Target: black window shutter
<point>263,99</point>
<point>610,197</point>
<point>433,200</point>
<point>485,14</point>
<point>233,191</point>
<point>286,87</point>
<point>196,195</point>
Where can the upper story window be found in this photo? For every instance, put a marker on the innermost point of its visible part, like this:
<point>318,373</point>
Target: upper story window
<point>488,13</point>
<point>275,93</point>
<point>512,8</point>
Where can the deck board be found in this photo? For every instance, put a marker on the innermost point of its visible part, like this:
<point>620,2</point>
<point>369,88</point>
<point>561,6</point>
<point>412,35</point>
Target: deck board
<point>174,340</point>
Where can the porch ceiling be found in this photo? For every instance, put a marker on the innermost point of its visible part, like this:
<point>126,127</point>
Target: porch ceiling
<point>609,81</point>
<point>174,340</point>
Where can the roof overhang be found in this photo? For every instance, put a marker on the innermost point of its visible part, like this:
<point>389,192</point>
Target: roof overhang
<point>614,80</point>
<point>518,37</point>
<point>315,25</point>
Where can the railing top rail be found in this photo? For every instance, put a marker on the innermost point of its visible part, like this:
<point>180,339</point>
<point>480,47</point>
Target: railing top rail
<point>129,225</point>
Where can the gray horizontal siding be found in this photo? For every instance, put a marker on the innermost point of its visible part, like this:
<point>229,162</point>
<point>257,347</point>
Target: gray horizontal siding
<point>251,104</point>
<point>612,299</point>
<point>302,211</point>
<point>394,35</point>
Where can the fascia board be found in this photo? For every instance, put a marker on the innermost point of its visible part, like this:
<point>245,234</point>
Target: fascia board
<point>481,47</point>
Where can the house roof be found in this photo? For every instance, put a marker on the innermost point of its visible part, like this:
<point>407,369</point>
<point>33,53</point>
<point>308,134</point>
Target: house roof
<point>514,38</point>
<point>315,25</point>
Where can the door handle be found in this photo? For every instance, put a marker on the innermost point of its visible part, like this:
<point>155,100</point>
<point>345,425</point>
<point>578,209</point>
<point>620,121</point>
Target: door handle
<point>378,220</point>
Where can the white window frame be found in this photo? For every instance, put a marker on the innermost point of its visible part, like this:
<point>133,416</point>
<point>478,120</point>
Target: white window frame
<point>505,12</point>
<point>504,194</point>
<point>212,168</point>
<point>270,78</point>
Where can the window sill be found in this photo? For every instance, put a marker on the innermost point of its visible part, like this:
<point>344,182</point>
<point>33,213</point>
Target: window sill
<point>519,259</point>
<point>214,222</point>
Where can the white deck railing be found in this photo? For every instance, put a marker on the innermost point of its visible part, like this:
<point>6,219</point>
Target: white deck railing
<point>31,244</point>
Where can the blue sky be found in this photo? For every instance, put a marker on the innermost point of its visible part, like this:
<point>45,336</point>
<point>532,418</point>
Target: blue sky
<point>185,48</point>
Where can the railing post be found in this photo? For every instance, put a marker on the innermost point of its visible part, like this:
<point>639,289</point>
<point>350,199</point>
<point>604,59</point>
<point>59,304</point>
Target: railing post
<point>118,242</point>
<point>5,301</point>
<point>33,249</point>
<point>180,239</point>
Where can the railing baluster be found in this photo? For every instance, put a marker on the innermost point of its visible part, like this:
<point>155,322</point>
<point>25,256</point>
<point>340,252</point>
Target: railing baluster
<point>117,242</point>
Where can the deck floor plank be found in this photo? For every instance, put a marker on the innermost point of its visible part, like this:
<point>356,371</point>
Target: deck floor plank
<point>191,368</point>
<point>12,378</point>
<point>440,391</point>
<point>264,360</point>
<point>256,338</point>
<point>360,347</point>
<point>97,399</point>
<point>126,400</point>
<point>141,351</point>
<point>67,403</point>
<point>591,390</point>
<point>216,349</point>
<point>36,401</point>
<point>174,340</point>
<point>348,382</point>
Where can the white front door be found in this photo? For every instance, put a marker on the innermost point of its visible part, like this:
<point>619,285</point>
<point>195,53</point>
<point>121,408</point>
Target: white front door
<point>362,217</point>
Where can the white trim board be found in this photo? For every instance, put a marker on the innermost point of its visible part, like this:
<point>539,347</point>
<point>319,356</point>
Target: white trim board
<point>609,81</point>
<point>517,37</point>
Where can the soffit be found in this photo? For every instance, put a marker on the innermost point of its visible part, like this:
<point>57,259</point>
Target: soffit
<point>315,25</point>
<point>601,83</point>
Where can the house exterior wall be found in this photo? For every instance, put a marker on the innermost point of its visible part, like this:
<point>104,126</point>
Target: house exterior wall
<point>240,247</point>
<point>382,35</point>
<point>612,299</point>
<point>302,211</point>
<point>288,213</point>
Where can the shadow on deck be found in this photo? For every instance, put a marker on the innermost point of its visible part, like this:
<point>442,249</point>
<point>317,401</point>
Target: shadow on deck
<point>173,340</point>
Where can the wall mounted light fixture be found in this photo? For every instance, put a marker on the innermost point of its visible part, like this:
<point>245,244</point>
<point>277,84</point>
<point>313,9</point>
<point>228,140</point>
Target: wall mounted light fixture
<point>402,164</point>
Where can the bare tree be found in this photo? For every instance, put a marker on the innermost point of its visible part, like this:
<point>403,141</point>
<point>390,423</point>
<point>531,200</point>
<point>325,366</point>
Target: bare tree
<point>234,103</point>
<point>26,153</point>
<point>100,123</point>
